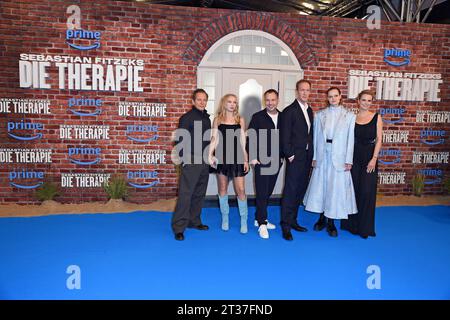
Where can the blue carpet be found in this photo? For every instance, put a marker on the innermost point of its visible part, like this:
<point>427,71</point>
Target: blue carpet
<point>134,256</point>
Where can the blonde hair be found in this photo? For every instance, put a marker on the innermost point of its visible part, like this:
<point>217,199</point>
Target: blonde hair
<point>366,92</point>
<point>220,113</point>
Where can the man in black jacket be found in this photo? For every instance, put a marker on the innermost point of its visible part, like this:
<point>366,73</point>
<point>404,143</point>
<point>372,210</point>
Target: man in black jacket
<point>296,133</point>
<point>192,140</point>
<point>263,129</point>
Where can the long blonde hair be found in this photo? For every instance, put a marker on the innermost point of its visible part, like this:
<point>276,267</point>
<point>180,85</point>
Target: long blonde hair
<point>220,112</point>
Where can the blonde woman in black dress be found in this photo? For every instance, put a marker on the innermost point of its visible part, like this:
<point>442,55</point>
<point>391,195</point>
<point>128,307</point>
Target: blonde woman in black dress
<point>228,153</point>
<point>368,137</point>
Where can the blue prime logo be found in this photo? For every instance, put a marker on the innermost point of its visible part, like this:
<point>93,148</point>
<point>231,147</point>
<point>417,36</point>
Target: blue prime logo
<point>146,129</point>
<point>85,102</point>
<point>390,156</point>
<point>83,35</point>
<point>397,53</point>
<point>394,113</point>
<point>83,152</point>
<point>142,175</point>
<point>13,126</point>
<point>25,175</point>
<point>436,175</point>
<point>436,136</point>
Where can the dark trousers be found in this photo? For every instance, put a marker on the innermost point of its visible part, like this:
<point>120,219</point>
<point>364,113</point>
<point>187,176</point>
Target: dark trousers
<point>295,184</point>
<point>264,185</point>
<point>191,194</point>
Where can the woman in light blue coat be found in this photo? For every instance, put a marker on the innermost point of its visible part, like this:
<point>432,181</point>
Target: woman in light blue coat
<point>330,191</point>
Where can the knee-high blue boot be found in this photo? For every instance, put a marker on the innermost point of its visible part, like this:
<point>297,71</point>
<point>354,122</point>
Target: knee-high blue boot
<point>243,212</point>
<point>224,210</point>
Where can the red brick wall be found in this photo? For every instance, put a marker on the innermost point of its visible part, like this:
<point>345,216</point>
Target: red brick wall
<point>172,41</point>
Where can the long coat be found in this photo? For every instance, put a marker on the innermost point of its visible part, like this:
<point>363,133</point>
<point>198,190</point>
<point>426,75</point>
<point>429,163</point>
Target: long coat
<point>330,189</point>
<point>343,139</point>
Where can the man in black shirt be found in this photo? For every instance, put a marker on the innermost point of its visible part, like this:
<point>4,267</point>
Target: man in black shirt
<point>266,159</point>
<point>192,140</point>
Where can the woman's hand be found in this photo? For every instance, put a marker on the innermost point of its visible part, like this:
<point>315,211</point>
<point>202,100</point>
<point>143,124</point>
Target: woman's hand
<point>371,165</point>
<point>246,167</point>
<point>348,167</point>
<point>314,162</point>
<point>212,161</point>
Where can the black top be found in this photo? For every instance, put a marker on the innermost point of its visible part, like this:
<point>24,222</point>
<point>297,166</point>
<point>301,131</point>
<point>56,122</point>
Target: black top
<point>262,124</point>
<point>365,138</point>
<point>229,151</point>
<point>189,121</point>
<point>367,132</point>
<point>294,131</point>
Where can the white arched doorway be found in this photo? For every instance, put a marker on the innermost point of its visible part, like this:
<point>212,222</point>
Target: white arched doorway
<point>247,63</point>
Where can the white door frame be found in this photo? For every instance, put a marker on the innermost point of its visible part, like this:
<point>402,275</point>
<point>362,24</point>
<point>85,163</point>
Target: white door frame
<point>221,86</point>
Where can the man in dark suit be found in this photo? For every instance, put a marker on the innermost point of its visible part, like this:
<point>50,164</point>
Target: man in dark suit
<point>193,181</point>
<point>296,134</point>
<point>263,129</point>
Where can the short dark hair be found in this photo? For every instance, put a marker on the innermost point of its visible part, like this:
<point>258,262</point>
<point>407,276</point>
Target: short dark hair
<point>194,94</point>
<point>338,90</point>
<point>270,91</point>
<point>334,88</point>
<point>302,81</point>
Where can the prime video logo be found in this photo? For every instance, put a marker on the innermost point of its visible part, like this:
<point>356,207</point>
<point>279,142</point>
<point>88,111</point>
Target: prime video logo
<point>12,126</point>
<point>435,173</point>
<point>393,154</point>
<point>142,175</point>
<point>84,151</point>
<point>72,34</point>
<point>398,53</point>
<point>85,102</point>
<point>395,112</point>
<point>25,175</point>
<point>426,134</point>
<point>75,32</point>
<point>142,129</point>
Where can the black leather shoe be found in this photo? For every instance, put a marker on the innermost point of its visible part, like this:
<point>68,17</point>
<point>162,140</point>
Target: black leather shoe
<point>179,236</point>
<point>331,229</point>
<point>299,228</point>
<point>200,227</point>
<point>287,236</point>
<point>320,224</point>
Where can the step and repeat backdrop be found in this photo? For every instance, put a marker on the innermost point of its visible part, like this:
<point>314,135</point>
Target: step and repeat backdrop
<point>93,90</point>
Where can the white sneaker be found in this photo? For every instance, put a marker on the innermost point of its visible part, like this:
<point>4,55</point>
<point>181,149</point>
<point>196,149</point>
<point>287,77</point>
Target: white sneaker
<point>269,225</point>
<point>263,233</point>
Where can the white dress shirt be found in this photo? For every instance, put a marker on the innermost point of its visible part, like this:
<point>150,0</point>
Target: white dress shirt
<point>304,108</point>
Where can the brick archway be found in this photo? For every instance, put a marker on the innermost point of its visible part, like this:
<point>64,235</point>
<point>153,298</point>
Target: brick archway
<point>250,21</point>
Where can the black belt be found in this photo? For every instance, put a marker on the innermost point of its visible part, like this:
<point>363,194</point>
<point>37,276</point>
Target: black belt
<point>365,141</point>
<point>329,141</point>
